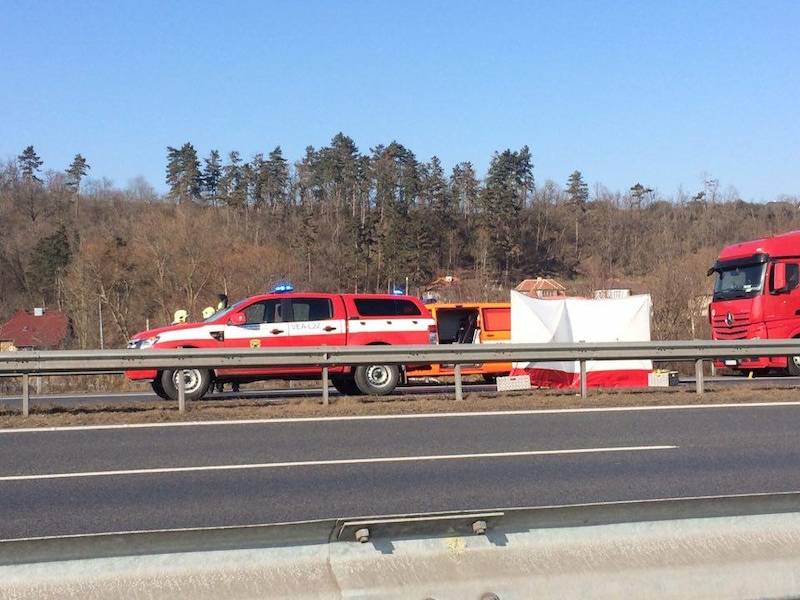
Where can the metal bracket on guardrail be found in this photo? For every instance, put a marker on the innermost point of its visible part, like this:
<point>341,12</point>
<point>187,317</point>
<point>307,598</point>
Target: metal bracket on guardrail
<point>465,523</point>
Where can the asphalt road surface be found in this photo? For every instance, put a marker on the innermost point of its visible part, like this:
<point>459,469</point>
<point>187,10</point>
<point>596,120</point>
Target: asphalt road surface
<point>122,478</point>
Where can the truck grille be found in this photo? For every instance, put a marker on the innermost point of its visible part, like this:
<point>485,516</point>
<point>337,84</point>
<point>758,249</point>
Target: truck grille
<point>736,331</point>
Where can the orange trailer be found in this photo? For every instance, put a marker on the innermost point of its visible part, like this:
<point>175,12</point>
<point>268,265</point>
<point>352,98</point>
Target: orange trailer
<point>469,323</point>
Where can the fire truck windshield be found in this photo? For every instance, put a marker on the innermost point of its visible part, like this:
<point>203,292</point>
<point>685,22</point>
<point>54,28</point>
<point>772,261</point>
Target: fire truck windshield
<point>224,312</point>
<point>739,281</point>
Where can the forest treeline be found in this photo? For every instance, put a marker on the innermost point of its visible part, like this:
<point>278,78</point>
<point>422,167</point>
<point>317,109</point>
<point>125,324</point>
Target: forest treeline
<point>339,219</point>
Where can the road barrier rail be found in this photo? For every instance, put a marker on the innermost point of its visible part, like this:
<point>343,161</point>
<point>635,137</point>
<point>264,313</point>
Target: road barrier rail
<point>723,546</point>
<point>55,362</point>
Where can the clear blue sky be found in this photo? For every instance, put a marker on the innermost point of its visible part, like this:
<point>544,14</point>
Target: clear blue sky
<point>657,92</point>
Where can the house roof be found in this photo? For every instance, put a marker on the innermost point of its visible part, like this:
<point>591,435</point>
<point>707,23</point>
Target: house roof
<point>443,282</point>
<point>540,284</point>
<point>27,330</point>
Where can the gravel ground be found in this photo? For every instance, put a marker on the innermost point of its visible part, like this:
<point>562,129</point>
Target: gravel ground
<point>157,411</point>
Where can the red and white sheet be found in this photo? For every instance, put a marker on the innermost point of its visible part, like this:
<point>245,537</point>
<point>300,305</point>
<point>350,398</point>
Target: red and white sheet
<point>580,320</point>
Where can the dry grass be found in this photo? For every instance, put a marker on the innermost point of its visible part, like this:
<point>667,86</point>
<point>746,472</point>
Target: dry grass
<point>161,411</point>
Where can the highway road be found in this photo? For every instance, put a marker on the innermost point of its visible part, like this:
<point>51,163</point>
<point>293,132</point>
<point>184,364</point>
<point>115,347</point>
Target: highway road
<point>253,392</point>
<point>122,478</point>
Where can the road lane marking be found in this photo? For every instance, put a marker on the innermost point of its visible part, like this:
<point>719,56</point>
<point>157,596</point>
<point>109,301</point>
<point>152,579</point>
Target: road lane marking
<point>333,419</point>
<point>323,463</point>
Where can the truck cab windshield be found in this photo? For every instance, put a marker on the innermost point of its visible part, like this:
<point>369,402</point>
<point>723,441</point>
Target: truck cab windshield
<point>740,281</point>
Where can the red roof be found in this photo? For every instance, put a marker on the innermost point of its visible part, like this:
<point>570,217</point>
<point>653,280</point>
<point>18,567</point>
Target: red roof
<point>787,244</point>
<point>28,331</point>
<point>539,284</point>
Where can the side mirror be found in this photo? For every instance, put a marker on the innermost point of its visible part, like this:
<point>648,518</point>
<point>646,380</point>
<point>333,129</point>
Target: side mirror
<point>779,277</point>
<point>237,319</point>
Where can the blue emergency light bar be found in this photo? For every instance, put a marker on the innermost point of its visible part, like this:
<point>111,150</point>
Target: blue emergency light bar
<point>282,288</point>
<point>399,292</point>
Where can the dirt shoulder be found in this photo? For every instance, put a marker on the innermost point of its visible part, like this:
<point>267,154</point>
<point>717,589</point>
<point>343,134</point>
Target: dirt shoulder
<point>157,411</point>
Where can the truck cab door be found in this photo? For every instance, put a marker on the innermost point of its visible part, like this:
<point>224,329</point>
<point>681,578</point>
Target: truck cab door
<point>782,313</point>
<point>264,327</point>
<point>316,321</point>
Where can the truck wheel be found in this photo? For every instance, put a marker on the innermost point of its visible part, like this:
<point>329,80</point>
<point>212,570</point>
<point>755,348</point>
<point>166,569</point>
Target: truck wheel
<point>345,385</point>
<point>196,382</point>
<point>377,380</point>
<point>793,365</point>
<point>158,388</point>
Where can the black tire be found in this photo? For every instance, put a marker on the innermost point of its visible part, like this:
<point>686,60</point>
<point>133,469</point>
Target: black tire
<point>377,380</point>
<point>346,385</point>
<point>197,383</point>
<point>793,365</point>
<point>158,389</point>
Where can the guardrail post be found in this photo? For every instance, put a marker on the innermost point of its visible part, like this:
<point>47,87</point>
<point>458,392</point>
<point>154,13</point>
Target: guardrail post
<point>181,392</point>
<point>698,376</point>
<point>26,395</point>
<point>457,375</point>
<point>584,383</point>
<point>325,400</point>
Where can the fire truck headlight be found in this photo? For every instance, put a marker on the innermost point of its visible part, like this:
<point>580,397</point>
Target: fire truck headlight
<point>143,344</point>
<point>148,343</point>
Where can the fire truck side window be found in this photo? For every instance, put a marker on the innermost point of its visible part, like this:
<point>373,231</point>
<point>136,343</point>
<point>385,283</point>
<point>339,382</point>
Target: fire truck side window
<point>268,311</point>
<point>311,309</point>
<point>379,307</point>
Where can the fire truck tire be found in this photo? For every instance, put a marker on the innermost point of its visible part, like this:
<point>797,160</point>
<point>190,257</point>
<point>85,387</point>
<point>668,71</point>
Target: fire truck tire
<point>346,385</point>
<point>197,383</point>
<point>793,365</point>
<point>377,380</point>
<point>158,388</point>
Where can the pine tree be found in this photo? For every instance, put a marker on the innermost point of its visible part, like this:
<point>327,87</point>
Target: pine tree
<point>508,185</point>
<point>277,182</point>
<point>577,190</point>
<point>183,174</point>
<point>466,188</point>
<point>212,173</point>
<point>234,182</point>
<point>30,164</point>
<point>76,172</point>
<point>578,195</point>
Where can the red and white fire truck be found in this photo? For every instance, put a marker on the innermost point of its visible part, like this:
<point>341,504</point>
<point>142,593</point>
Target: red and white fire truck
<point>294,319</point>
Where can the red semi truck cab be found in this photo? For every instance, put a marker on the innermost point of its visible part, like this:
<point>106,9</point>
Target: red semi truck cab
<point>278,320</point>
<point>756,296</point>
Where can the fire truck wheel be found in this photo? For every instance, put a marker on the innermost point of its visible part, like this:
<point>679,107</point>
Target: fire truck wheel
<point>158,388</point>
<point>377,380</point>
<point>793,365</point>
<point>196,382</point>
<point>346,385</point>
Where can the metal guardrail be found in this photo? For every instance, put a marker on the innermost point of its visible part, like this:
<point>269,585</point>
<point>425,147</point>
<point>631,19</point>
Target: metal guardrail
<point>96,361</point>
<point>719,546</point>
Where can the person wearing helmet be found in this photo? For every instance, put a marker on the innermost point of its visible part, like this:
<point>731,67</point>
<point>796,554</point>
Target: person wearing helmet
<point>223,301</point>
